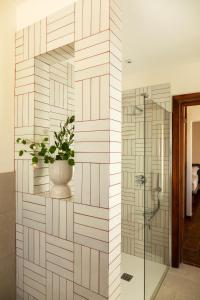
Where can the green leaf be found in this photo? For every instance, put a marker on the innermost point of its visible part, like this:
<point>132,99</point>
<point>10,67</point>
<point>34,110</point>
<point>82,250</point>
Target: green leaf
<point>34,160</point>
<point>52,149</point>
<point>46,159</point>
<point>65,146</point>
<point>46,139</point>
<point>65,156</point>
<point>71,162</point>
<point>72,119</point>
<point>21,152</point>
<point>24,142</point>
<point>72,153</point>
<point>42,152</point>
<point>18,140</point>
<point>32,145</point>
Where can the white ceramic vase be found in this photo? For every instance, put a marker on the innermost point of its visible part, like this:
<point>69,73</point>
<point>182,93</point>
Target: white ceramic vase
<point>60,173</point>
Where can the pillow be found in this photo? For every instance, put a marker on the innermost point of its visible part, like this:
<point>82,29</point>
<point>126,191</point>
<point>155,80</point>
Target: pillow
<point>195,170</point>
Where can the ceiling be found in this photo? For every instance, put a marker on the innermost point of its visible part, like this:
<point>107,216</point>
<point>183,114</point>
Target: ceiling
<point>160,32</point>
<point>155,32</point>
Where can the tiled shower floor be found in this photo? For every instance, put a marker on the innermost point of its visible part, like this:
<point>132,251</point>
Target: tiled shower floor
<point>134,290</point>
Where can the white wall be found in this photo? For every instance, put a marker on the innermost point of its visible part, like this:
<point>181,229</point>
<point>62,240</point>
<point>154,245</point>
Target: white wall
<point>183,78</point>
<point>30,11</point>
<point>7,25</point>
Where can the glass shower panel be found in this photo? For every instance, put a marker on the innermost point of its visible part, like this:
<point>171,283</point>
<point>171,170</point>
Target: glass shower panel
<point>145,190</point>
<point>133,195</point>
<point>156,189</point>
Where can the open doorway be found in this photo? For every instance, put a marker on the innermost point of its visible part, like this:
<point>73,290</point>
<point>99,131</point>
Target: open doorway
<point>186,179</point>
<point>191,232</point>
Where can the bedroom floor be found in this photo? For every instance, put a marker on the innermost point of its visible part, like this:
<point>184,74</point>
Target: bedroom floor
<point>181,284</point>
<point>191,245</point>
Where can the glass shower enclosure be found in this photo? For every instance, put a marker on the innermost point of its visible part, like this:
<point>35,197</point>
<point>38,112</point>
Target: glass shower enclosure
<point>146,190</point>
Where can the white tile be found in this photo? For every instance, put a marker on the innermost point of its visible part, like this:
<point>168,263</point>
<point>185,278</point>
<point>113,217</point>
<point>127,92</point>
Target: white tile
<point>86,184</point>
<point>64,263</point>
<point>78,20</point>
<point>77,179</point>
<point>103,282</point>
<point>37,38</point>
<point>87,15</point>
<point>34,276</point>
<point>63,289</point>
<point>56,217</point>
<point>85,267</point>
<point>105,13</point>
<point>59,242</point>
<point>67,11</point>
<point>95,184</point>
<point>60,271</point>
<point>87,294</point>
<point>91,232</point>
<point>91,243</point>
<point>94,279</point>
<point>31,41</point>
<point>70,221</point>
<point>19,207</point>
<point>67,39</point>
<point>43,34</point>
<point>93,71</point>
<point>49,285</point>
<point>77,263</point>
<point>60,23</point>
<point>96,16</point>
<point>60,33</point>
<point>104,185</point>
<point>30,244</point>
<point>36,286</point>
<point>93,62</point>
<point>63,219</point>
<point>93,50</point>
<point>104,97</point>
<point>91,221</point>
<point>34,268</point>
<point>86,99</point>
<point>95,98</point>
<point>91,211</point>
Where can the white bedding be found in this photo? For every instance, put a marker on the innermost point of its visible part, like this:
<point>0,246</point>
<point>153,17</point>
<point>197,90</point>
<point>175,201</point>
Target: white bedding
<point>195,183</point>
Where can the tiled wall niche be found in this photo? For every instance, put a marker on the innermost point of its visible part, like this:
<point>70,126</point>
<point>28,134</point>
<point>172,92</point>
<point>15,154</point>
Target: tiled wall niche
<point>138,158</point>
<point>71,250</point>
<point>44,108</point>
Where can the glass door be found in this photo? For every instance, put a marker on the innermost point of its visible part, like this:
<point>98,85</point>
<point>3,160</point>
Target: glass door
<point>156,188</point>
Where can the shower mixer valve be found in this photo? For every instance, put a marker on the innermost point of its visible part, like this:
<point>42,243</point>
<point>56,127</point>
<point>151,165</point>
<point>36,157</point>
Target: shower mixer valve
<point>140,179</point>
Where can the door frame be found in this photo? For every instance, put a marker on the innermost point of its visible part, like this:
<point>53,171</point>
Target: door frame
<point>180,104</point>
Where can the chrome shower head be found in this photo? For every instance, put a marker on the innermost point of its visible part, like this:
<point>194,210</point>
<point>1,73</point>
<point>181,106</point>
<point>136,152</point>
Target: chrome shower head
<point>146,96</point>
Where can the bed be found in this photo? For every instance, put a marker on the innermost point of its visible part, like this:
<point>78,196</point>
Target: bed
<point>195,178</point>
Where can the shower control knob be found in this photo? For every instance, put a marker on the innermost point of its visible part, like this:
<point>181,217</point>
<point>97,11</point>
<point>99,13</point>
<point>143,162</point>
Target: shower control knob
<point>140,179</point>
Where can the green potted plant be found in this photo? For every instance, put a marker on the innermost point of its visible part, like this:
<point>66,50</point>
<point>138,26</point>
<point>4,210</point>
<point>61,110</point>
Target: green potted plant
<point>60,156</point>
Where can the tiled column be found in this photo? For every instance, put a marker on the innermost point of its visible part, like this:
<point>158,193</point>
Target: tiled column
<point>71,250</point>
<point>97,211</point>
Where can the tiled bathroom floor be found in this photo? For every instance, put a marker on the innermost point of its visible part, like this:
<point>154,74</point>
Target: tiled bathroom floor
<point>181,284</point>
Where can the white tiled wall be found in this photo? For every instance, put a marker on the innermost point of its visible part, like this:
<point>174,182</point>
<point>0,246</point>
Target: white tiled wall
<point>143,154</point>
<point>71,250</point>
